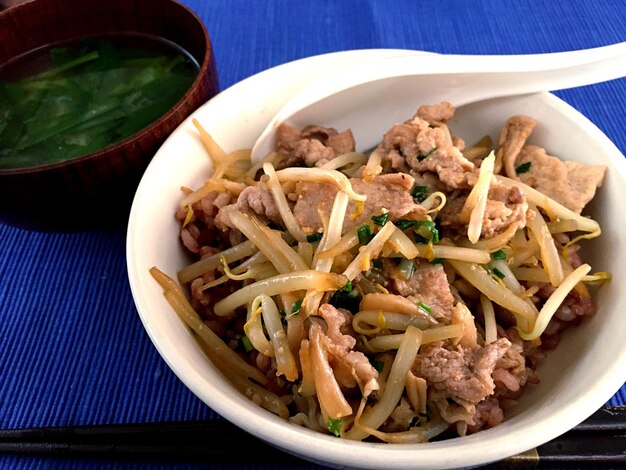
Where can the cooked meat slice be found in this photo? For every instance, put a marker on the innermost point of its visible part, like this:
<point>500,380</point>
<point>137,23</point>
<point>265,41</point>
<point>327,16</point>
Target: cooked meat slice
<point>428,284</point>
<point>462,373</point>
<point>286,138</point>
<point>420,147</point>
<point>453,169</point>
<point>505,206</point>
<point>511,369</point>
<point>436,113</point>
<point>342,142</point>
<point>361,370</point>
<point>334,320</point>
<point>312,151</point>
<point>428,152</point>
<point>259,201</point>
<point>512,138</point>
<point>328,390</point>
<point>569,183</point>
<point>398,143</point>
<point>200,232</point>
<point>488,414</point>
<point>313,145</point>
<point>458,143</point>
<point>188,236</point>
<point>253,200</point>
<point>398,180</point>
<point>431,181</point>
<point>391,192</point>
<point>343,357</point>
<point>207,208</point>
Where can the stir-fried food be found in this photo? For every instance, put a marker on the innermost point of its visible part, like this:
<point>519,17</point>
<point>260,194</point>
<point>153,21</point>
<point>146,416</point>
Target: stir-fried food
<point>394,296</point>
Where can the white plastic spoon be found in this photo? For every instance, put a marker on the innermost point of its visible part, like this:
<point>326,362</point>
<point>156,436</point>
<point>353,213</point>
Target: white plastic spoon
<point>373,97</point>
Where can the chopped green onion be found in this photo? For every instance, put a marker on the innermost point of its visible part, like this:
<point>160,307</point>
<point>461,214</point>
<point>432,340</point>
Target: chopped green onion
<point>422,155</point>
<point>425,307</point>
<point>296,307</point>
<point>381,219</point>
<point>347,287</point>
<point>498,255</point>
<point>523,168</point>
<point>364,233</point>
<point>498,273</point>
<point>334,426</point>
<point>405,224</point>
<point>419,193</point>
<point>247,345</point>
<point>378,264</point>
<point>426,231</point>
<point>436,261</point>
<point>314,237</point>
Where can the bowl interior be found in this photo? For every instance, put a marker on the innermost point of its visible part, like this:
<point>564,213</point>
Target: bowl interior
<point>586,369</point>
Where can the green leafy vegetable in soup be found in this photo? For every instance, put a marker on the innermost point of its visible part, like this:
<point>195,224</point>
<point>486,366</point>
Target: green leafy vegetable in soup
<point>64,102</point>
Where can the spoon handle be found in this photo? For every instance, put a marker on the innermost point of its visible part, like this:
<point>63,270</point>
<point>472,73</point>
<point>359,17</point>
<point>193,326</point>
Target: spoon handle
<point>529,73</point>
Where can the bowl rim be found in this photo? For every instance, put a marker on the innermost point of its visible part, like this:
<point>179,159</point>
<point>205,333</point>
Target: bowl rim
<point>205,70</point>
<point>277,431</point>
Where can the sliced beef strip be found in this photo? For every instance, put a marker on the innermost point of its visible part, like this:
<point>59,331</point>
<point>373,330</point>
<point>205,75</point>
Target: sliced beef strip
<point>513,136</point>
<point>488,414</point>
<point>436,113</point>
<point>341,349</point>
<point>391,192</point>
<point>449,164</point>
<point>511,369</point>
<point>397,144</point>
<point>313,145</point>
<point>430,285</point>
<point>505,206</point>
<point>462,373</point>
<point>419,147</point>
<point>201,230</point>
<point>259,201</point>
<point>253,200</point>
<point>570,183</point>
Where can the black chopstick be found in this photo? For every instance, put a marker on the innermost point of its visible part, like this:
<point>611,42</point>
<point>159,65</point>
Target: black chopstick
<point>216,441</point>
<point>601,439</point>
<point>597,442</point>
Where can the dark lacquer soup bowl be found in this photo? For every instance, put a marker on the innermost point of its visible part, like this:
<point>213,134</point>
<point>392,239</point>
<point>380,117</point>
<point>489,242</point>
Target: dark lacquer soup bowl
<point>64,191</point>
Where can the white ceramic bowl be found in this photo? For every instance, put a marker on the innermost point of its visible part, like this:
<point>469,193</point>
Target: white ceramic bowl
<point>587,368</point>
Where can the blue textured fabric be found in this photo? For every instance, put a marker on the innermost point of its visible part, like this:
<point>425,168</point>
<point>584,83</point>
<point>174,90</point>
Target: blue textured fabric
<point>72,348</point>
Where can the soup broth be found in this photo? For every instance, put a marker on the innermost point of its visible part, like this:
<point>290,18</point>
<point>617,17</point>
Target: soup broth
<point>68,100</point>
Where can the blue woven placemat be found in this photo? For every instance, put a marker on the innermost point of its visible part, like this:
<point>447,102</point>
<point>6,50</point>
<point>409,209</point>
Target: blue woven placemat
<point>72,348</point>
